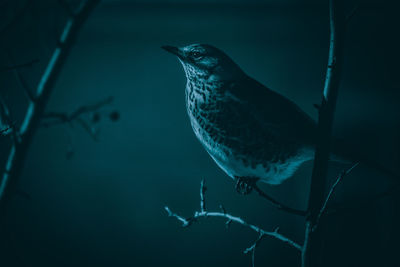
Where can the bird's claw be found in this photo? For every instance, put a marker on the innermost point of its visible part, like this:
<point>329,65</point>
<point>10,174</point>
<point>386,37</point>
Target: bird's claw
<point>244,185</point>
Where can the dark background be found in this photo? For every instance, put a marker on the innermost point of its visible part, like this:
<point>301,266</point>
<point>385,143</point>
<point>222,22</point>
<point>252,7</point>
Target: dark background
<point>105,205</point>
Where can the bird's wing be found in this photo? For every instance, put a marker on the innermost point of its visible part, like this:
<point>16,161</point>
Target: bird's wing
<point>274,112</point>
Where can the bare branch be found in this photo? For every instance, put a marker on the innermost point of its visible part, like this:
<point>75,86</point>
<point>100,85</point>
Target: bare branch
<point>352,13</point>
<point>56,118</point>
<point>203,213</point>
<point>20,79</point>
<point>252,249</point>
<point>312,248</point>
<point>278,204</point>
<point>19,66</point>
<point>6,118</point>
<point>89,129</point>
<point>35,110</point>
<point>332,190</point>
<point>67,7</point>
<point>185,222</point>
<point>6,130</point>
<point>29,94</point>
<point>202,198</point>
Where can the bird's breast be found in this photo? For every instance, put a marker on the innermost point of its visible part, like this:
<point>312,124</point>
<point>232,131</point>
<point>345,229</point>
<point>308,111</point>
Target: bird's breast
<point>236,142</point>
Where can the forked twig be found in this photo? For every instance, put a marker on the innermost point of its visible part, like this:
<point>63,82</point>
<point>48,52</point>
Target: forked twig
<point>203,213</point>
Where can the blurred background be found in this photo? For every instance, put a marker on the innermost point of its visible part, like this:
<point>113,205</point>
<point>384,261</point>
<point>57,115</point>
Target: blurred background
<point>103,203</point>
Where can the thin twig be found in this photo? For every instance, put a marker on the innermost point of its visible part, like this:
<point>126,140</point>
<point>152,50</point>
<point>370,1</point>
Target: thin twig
<point>23,84</point>
<point>67,8</point>
<point>89,129</point>
<point>55,118</point>
<point>19,66</point>
<point>5,130</point>
<point>352,13</point>
<point>253,247</point>
<point>278,204</point>
<point>21,81</point>
<point>184,221</point>
<point>5,116</point>
<point>332,190</point>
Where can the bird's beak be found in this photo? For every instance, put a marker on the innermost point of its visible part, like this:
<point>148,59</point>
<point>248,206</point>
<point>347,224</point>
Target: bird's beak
<point>173,50</point>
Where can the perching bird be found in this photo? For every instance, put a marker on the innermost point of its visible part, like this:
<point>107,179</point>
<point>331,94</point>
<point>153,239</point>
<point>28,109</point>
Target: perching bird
<point>251,132</point>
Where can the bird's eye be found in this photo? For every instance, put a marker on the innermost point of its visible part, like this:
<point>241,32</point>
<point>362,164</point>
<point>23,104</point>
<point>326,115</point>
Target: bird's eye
<point>197,55</point>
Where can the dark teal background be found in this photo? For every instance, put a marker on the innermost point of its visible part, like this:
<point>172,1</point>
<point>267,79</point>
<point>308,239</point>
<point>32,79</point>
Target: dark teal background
<point>105,206</point>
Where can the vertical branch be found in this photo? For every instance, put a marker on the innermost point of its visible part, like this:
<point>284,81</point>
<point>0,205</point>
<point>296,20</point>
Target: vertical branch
<point>34,113</point>
<point>203,189</point>
<point>312,252</point>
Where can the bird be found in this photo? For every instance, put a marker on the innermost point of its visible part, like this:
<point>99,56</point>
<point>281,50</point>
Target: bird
<point>252,132</point>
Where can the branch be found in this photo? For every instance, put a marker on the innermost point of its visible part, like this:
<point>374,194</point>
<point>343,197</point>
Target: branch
<point>323,210</point>
<point>67,8</point>
<point>352,13</point>
<point>19,66</point>
<point>24,86</point>
<point>312,252</point>
<point>5,130</point>
<point>55,118</point>
<point>203,189</point>
<point>203,213</point>
<point>6,118</point>
<point>35,110</point>
<point>278,204</point>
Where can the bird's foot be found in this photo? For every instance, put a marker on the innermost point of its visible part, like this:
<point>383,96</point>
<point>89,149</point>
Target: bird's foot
<point>244,185</point>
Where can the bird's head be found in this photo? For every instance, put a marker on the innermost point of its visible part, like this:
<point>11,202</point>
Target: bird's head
<point>206,61</point>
